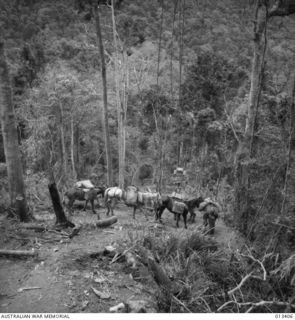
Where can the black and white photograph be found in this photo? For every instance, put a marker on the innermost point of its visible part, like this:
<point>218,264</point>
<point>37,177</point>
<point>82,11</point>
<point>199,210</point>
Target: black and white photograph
<point>147,158</point>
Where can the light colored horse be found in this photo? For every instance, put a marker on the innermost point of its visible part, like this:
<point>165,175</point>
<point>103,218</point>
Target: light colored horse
<point>149,201</point>
<point>132,197</point>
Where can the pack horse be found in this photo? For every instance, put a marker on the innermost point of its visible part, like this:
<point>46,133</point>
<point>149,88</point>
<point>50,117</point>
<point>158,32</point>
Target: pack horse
<point>178,208</point>
<point>83,191</point>
<point>132,197</point>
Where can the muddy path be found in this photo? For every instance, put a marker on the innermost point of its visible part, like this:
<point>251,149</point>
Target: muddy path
<point>63,276</point>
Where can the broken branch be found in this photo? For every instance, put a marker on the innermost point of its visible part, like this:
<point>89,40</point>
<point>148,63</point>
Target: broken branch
<point>240,284</point>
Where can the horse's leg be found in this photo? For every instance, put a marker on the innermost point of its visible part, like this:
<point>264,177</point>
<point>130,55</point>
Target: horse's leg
<point>85,205</point>
<point>156,214</point>
<point>211,226</point>
<point>145,213</point>
<point>97,199</point>
<point>184,218</point>
<point>159,214</point>
<point>107,204</point>
<point>98,216</point>
<point>205,221</point>
<point>92,206</point>
<point>211,222</point>
<point>177,220</point>
<point>112,204</point>
<point>144,210</point>
<point>134,210</point>
<point>192,216</point>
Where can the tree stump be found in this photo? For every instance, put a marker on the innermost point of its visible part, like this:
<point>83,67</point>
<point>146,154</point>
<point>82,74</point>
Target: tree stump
<point>61,221</point>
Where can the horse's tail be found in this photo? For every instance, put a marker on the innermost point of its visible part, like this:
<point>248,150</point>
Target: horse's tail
<point>106,196</point>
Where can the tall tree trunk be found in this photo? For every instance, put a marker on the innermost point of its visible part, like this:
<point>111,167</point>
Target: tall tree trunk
<point>73,148</point>
<point>158,120</point>
<point>171,55</point>
<point>243,156</point>
<point>125,105</point>
<point>180,129</point>
<point>244,153</point>
<point>120,105</point>
<point>105,101</point>
<point>63,143</point>
<point>291,142</point>
<point>77,143</point>
<point>10,141</point>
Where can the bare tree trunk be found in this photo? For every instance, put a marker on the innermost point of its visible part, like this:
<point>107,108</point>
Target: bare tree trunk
<point>160,138</point>
<point>242,196</point>
<point>291,140</point>
<point>257,70</point>
<point>171,56</point>
<point>77,143</point>
<point>72,148</point>
<point>181,28</point>
<point>63,143</point>
<point>120,106</point>
<point>244,153</point>
<point>10,141</point>
<point>125,105</point>
<point>105,103</point>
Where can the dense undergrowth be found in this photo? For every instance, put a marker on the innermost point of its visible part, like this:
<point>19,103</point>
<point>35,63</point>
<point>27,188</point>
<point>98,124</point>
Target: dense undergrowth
<point>212,278</point>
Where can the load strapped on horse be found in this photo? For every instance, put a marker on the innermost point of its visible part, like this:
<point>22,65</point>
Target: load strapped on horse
<point>175,202</point>
<point>132,197</point>
<point>210,211</point>
<point>84,184</point>
<point>179,178</point>
<point>83,190</point>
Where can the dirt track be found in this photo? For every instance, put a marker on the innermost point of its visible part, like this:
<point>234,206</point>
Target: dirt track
<point>64,273</point>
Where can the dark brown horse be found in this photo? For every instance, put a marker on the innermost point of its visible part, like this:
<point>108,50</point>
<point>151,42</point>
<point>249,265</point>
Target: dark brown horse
<point>171,204</point>
<point>74,194</point>
<point>191,205</point>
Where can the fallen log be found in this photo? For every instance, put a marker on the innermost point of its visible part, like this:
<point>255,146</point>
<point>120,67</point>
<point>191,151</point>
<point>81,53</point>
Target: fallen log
<point>159,275</point>
<point>18,253</point>
<point>106,222</point>
<point>28,288</point>
<point>36,227</point>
